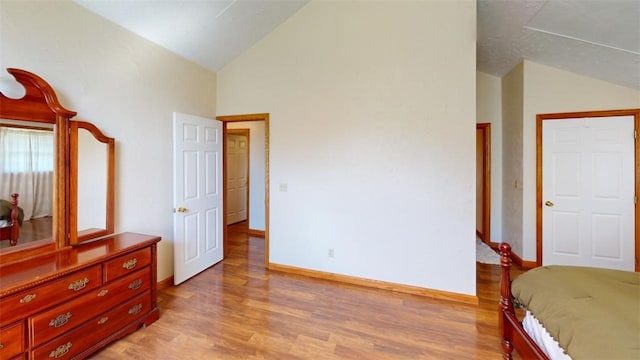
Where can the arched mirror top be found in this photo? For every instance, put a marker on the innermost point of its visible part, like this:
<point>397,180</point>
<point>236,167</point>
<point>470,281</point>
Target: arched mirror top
<point>39,102</point>
<point>97,133</point>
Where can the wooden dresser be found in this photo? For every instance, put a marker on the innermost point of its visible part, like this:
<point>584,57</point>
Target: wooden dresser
<point>69,303</point>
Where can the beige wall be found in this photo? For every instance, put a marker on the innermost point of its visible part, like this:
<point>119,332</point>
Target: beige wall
<point>125,85</point>
<point>512,107</point>
<point>488,99</point>
<point>366,100</point>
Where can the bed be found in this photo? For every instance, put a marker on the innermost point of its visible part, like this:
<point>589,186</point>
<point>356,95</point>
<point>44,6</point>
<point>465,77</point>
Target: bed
<point>10,220</point>
<point>570,312</point>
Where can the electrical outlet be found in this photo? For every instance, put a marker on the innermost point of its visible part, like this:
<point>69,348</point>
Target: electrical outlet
<point>330,253</point>
<point>284,187</point>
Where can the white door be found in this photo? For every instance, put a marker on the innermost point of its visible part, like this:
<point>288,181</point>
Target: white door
<point>237,165</point>
<point>197,174</point>
<point>588,192</point>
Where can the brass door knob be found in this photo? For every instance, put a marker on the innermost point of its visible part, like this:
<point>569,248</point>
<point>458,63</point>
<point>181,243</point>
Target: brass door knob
<point>548,203</point>
<point>181,209</point>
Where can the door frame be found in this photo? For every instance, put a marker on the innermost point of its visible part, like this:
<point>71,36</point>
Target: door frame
<point>485,128</point>
<point>582,114</point>
<point>237,118</point>
<point>246,133</point>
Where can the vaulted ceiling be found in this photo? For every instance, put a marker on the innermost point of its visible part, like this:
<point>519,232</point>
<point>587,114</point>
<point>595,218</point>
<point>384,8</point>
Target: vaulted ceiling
<point>208,32</point>
<point>595,38</point>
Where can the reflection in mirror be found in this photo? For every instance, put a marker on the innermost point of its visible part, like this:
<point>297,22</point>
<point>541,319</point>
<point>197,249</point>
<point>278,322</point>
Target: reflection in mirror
<point>92,182</point>
<point>27,169</point>
<point>92,153</point>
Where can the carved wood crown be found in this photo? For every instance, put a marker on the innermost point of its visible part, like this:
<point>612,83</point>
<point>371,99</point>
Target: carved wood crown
<point>39,102</point>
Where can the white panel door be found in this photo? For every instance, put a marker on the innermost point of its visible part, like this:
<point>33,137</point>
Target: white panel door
<point>237,165</point>
<point>588,192</point>
<point>197,172</point>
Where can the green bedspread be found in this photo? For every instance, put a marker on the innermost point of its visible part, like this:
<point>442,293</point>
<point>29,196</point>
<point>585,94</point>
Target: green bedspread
<point>593,313</point>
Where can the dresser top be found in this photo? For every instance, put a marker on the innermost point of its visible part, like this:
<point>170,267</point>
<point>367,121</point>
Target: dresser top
<point>29,272</point>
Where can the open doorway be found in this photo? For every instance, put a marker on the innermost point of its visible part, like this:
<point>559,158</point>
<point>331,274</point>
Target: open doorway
<point>237,173</point>
<point>258,201</point>
<point>483,183</point>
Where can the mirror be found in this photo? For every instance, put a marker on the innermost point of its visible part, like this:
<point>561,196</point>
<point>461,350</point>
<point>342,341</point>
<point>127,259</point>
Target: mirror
<point>81,174</point>
<point>27,168</point>
<point>92,159</point>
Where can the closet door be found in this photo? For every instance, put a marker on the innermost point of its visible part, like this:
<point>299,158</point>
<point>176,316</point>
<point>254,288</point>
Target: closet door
<point>588,192</point>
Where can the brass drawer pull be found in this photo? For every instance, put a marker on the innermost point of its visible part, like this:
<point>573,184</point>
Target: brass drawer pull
<point>135,285</point>
<point>79,284</point>
<point>103,292</point>
<point>60,351</point>
<point>103,320</point>
<point>136,309</point>
<point>60,320</point>
<point>130,264</point>
<point>27,298</point>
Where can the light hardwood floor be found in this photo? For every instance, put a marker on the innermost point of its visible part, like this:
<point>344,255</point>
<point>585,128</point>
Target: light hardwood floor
<point>239,310</point>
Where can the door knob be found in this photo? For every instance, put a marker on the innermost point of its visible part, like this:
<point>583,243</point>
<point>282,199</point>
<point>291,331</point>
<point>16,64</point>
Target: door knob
<point>181,209</point>
<point>548,203</point>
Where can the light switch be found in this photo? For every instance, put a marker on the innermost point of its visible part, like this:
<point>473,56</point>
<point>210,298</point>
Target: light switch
<point>284,187</point>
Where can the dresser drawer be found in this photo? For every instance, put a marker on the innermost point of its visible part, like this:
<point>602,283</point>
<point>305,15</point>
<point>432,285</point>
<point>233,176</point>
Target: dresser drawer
<point>29,301</point>
<point>12,340</point>
<point>51,323</point>
<point>75,342</point>
<point>126,264</point>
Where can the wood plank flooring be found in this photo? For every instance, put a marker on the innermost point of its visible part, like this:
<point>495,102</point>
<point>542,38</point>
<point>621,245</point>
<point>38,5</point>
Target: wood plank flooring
<point>239,310</point>
<point>33,230</point>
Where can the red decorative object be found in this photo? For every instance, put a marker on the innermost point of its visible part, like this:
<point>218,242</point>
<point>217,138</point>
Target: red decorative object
<point>11,232</point>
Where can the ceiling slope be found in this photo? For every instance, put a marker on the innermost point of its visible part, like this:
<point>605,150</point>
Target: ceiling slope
<point>208,32</point>
<point>595,38</point>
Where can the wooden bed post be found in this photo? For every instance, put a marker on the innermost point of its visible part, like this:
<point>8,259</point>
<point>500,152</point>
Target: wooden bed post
<point>13,219</point>
<point>506,303</point>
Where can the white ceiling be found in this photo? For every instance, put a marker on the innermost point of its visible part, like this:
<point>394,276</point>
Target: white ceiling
<point>596,38</point>
<point>208,32</point>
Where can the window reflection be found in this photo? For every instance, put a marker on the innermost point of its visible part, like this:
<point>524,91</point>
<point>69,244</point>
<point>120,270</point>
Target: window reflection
<point>27,168</point>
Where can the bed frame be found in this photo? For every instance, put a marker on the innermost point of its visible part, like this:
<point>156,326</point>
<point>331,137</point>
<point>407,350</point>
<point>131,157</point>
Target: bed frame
<point>12,231</point>
<point>513,334</point>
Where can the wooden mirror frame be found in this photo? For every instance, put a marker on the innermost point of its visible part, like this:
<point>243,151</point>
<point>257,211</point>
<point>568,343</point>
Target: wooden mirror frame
<point>77,236</point>
<point>40,104</point>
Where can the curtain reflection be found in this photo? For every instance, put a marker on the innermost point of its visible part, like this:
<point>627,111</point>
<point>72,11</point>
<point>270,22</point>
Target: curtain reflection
<point>26,168</point>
